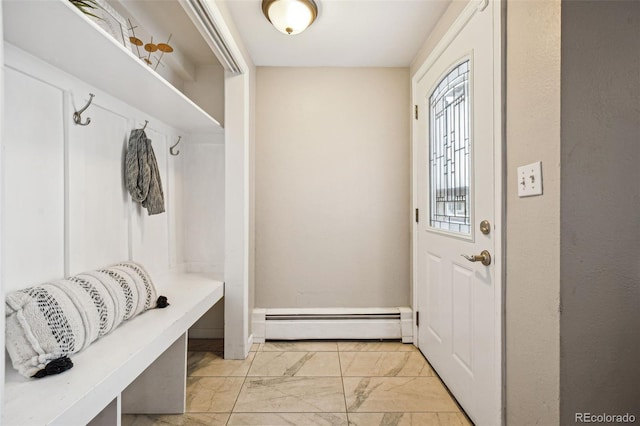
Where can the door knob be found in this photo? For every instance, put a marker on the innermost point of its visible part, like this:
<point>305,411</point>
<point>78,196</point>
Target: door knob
<point>484,257</point>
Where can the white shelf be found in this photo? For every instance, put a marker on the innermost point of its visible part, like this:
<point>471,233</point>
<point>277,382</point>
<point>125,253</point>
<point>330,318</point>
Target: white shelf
<point>58,33</point>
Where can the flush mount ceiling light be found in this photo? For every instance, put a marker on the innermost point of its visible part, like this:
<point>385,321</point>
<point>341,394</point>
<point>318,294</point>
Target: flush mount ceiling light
<point>290,16</point>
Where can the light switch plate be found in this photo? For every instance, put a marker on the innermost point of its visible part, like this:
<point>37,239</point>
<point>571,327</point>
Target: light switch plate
<point>530,180</point>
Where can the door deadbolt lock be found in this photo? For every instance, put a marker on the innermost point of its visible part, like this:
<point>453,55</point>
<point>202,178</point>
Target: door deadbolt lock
<point>484,257</point>
<point>485,227</point>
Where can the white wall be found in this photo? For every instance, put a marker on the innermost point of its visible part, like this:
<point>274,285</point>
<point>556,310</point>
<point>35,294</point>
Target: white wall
<point>203,201</point>
<point>203,193</point>
<point>2,352</point>
<point>33,181</point>
<point>64,198</point>
<point>332,187</point>
<point>203,196</point>
<point>239,145</point>
<point>237,211</point>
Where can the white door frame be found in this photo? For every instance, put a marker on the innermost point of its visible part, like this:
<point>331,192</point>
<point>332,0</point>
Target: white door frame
<point>238,180</point>
<point>1,210</point>
<point>469,11</point>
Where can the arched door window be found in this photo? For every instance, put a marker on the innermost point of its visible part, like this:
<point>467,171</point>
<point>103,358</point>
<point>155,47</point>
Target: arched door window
<point>449,153</point>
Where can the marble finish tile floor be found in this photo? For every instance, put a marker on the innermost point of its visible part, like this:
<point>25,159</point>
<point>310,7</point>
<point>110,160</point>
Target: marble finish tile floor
<point>312,383</point>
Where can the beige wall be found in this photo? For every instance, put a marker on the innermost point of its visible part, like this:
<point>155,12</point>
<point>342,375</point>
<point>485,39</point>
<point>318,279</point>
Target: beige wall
<point>207,90</point>
<point>332,187</point>
<point>533,224</point>
<point>600,270</point>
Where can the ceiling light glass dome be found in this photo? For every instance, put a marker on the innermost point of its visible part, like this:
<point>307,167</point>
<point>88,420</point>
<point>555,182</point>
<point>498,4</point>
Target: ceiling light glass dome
<point>290,16</point>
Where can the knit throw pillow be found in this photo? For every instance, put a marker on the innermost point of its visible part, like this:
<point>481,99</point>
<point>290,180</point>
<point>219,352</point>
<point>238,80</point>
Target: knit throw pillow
<point>54,320</point>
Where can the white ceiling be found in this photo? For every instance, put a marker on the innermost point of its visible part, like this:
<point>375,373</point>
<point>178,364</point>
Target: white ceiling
<point>347,33</point>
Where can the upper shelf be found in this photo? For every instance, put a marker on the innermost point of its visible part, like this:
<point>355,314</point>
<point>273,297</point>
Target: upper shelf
<point>57,32</point>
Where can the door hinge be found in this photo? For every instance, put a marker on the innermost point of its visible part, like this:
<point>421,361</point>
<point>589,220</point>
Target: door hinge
<point>417,215</point>
<point>415,109</point>
<point>417,318</point>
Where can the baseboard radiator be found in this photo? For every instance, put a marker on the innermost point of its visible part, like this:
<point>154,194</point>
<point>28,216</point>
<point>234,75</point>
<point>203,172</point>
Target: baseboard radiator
<point>329,323</point>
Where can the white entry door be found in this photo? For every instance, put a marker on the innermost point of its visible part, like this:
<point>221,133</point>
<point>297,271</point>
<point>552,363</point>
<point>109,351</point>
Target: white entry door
<point>457,167</point>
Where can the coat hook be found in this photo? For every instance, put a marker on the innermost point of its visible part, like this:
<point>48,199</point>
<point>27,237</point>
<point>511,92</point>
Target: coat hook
<point>173,146</point>
<point>145,124</point>
<point>77,116</point>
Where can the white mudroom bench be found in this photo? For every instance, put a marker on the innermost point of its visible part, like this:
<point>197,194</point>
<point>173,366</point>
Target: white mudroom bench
<point>141,367</point>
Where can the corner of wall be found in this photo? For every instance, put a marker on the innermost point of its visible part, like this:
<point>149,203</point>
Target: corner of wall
<point>239,238</point>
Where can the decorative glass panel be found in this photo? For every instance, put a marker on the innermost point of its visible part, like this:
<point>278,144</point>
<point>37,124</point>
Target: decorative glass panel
<point>449,153</point>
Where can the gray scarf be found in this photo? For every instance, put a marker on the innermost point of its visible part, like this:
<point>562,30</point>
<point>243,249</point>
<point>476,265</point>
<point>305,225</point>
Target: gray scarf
<point>142,176</point>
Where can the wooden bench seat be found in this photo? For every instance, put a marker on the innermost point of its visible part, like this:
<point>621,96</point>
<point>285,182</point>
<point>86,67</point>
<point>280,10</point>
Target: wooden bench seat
<point>139,368</point>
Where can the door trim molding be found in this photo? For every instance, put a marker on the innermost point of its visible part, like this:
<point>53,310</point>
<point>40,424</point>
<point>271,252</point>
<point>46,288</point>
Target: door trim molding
<point>499,143</point>
<point>499,35</point>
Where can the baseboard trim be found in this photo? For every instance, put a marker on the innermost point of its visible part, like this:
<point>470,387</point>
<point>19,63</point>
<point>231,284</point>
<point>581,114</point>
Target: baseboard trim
<point>250,343</point>
<point>333,323</point>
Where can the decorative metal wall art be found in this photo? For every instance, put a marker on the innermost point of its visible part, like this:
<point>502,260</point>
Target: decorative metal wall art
<point>149,48</point>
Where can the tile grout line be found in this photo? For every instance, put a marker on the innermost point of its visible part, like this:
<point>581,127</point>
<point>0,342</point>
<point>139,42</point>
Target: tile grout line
<point>344,391</point>
<point>242,386</point>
